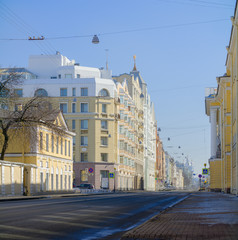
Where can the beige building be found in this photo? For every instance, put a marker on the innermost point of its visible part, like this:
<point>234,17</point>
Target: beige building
<point>131,122</point>
<point>107,116</point>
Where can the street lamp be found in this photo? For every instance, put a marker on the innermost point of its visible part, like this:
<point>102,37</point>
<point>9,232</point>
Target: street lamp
<point>95,39</point>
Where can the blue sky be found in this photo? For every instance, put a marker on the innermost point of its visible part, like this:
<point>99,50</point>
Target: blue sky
<point>180,47</point>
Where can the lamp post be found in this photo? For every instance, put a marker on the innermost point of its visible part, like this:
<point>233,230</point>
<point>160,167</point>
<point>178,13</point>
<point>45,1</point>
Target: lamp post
<point>95,39</point>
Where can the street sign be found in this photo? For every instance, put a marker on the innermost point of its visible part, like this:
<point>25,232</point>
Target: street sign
<point>199,175</point>
<point>90,170</point>
<point>205,171</point>
<point>111,175</point>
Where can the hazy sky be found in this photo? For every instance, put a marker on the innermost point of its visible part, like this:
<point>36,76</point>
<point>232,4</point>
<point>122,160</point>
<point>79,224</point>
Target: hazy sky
<point>180,47</point>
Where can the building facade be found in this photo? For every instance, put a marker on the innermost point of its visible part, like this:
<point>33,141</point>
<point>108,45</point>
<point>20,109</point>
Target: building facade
<point>221,107</point>
<point>113,119</point>
<point>38,160</point>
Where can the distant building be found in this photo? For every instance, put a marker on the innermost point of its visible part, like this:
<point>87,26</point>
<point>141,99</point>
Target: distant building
<point>146,162</point>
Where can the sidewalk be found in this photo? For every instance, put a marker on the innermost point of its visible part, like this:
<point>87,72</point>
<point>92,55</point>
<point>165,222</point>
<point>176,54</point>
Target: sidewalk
<point>202,216</point>
<point>52,195</point>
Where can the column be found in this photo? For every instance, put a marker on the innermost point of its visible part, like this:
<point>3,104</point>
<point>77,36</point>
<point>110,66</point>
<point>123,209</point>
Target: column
<point>213,119</point>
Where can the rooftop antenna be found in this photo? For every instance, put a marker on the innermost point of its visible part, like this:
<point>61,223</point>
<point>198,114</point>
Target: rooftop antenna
<point>106,59</point>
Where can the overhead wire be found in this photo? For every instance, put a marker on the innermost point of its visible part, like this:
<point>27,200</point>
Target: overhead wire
<point>11,17</point>
<point>130,31</point>
<point>198,3</point>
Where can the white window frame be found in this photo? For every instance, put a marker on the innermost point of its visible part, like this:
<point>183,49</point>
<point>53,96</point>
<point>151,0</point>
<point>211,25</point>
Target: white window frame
<point>81,106</point>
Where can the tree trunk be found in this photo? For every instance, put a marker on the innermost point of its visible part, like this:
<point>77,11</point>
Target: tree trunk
<point>5,144</point>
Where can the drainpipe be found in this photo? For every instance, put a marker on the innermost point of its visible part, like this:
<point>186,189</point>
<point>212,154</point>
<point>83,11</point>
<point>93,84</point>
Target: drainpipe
<point>232,117</point>
<point>234,23</point>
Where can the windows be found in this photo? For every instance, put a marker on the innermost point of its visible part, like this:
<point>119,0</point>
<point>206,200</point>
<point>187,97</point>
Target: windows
<point>78,75</point>
<point>84,141</point>
<point>84,157</point>
<point>73,140</point>
<point>84,124</point>
<point>103,124</point>
<point>64,107</point>
<point>52,143</point>
<point>47,142</point>
<point>69,148</point>
<point>73,92</point>
<point>73,124</point>
<point>121,145</point>
<point>122,99</point>
<point>121,129</point>
<point>104,141</point>
<point>68,75</point>
<point>41,93</point>
<point>61,146</point>
<point>73,107</point>
<point>84,107</point>
<point>104,157</point>
<point>84,92</point>
<point>18,92</point>
<point>121,114</point>
<point>63,92</point>
<point>57,145</point>
<point>65,147</point>
<point>104,93</point>
<point>104,108</point>
<point>41,140</point>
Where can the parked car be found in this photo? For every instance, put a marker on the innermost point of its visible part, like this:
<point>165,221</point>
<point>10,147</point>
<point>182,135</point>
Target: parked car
<point>85,186</point>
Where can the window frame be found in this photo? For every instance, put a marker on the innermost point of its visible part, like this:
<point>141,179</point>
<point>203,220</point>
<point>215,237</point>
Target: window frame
<point>87,104</point>
<point>84,141</point>
<point>83,128</point>
<point>106,125</point>
<point>65,104</point>
<point>83,93</point>
<point>63,92</point>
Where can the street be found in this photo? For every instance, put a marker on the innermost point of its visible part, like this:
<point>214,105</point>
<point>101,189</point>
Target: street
<point>84,217</point>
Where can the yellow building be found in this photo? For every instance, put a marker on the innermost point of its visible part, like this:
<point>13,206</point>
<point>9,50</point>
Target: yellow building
<point>38,159</point>
<point>221,106</point>
<point>232,72</point>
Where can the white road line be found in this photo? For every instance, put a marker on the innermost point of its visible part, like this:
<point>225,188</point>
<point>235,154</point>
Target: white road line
<point>21,229</point>
<point>65,223</point>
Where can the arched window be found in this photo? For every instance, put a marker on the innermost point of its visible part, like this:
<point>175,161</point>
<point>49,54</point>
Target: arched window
<point>41,93</point>
<point>104,93</point>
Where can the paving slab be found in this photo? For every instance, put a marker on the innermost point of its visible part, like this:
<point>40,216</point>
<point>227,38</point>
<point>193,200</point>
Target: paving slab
<point>203,215</point>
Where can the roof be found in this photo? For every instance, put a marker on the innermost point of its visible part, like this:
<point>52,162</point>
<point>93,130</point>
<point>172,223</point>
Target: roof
<point>231,31</point>
<point>15,70</point>
<point>136,74</point>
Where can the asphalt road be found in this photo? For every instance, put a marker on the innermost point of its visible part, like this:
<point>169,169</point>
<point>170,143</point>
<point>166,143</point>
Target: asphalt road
<point>84,217</point>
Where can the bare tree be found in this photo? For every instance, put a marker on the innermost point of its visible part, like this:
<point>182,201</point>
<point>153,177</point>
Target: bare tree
<point>36,111</point>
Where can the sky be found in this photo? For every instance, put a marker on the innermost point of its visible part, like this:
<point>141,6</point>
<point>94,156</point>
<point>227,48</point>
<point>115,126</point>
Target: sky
<point>180,48</point>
